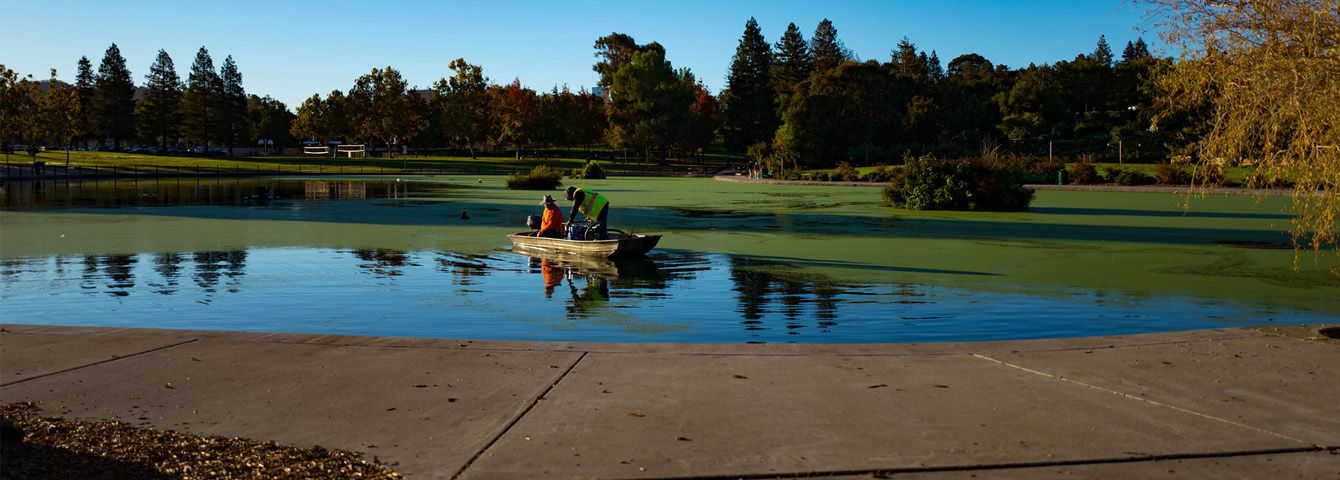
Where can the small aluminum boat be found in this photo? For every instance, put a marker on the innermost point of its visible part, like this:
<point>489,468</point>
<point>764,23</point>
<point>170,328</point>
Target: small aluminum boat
<point>624,246</point>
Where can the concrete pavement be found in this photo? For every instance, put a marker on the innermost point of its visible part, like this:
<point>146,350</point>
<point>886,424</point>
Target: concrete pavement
<point>1230,403</point>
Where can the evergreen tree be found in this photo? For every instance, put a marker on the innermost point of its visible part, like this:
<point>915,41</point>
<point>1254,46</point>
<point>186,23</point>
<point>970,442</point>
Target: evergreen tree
<point>160,109</point>
<point>1102,54</point>
<point>748,100</point>
<point>907,64</point>
<point>114,98</point>
<point>232,106</point>
<point>199,102</point>
<point>827,49</point>
<point>791,64</point>
<point>1135,51</point>
<point>83,86</point>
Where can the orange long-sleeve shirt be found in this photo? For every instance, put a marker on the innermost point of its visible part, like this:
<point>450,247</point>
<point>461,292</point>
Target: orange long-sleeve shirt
<point>552,225</point>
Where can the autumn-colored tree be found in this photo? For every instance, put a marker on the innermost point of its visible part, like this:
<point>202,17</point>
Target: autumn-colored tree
<point>381,106</point>
<point>1269,73</point>
<point>518,109</point>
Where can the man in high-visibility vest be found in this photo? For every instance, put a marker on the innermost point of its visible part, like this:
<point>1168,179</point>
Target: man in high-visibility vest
<point>591,205</point>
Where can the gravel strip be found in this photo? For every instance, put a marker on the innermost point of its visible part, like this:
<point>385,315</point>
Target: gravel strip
<point>55,448</point>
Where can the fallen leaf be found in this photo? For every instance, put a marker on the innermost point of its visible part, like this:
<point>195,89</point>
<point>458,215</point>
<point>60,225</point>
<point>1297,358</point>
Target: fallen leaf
<point>878,386</point>
<point>741,376</point>
<point>682,439</point>
<point>635,414</point>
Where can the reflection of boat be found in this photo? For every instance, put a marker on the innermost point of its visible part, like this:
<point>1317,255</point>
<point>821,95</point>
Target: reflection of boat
<point>628,246</point>
<point>633,268</point>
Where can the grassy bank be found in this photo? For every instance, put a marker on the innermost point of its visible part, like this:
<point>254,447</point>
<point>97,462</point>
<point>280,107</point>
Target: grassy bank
<point>166,164</point>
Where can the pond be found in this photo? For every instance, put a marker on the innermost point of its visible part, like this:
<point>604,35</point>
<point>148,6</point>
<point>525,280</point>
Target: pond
<point>386,256</point>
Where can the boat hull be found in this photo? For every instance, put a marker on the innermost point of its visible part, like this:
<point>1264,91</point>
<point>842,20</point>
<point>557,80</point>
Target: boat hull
<point>624,247</point>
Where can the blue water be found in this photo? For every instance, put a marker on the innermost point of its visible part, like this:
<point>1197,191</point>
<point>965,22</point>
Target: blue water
<point>670,296</point>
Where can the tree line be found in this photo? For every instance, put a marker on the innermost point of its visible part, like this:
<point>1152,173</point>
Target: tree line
<point>645,107</point>
<point>797,103</point>
<point>813,104</point>
<point>209,108</point>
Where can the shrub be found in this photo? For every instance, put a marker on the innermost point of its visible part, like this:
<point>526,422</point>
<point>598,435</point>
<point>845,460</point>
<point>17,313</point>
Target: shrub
<point>928,183</point>
<point>1166,174</point>
<point>881,174</point>
<point>540,178</point>
<point>1128,177</point>
<point>1083,173</point>
<point>845,172</point>
<point>591,171</point>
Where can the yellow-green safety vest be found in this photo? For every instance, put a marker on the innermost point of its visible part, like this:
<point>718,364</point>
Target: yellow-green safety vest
<point>592,204</point>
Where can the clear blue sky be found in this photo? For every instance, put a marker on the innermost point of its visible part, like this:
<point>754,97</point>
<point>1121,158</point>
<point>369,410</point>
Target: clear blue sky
<point>293,49</point>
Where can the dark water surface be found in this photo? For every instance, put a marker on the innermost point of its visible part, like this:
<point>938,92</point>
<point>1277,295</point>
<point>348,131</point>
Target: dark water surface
<point>669,296</point>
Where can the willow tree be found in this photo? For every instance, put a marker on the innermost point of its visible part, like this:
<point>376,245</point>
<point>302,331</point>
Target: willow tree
<point>1267,75</point>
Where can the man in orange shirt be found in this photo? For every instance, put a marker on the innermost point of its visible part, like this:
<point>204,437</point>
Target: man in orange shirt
<point>552,225</point>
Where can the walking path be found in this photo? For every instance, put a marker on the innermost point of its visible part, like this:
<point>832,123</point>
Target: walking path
<point>1229,403</point>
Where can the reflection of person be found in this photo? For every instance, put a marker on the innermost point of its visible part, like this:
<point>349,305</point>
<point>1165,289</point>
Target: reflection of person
<point>553,276</point>
<point>591,205</point>
<point>552,225</point>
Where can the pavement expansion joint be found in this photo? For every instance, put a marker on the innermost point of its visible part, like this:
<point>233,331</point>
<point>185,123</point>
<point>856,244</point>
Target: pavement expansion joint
<point>100,362</point>
<point>1146,400</point>
<point>519,416</point>
<point>879,472</point>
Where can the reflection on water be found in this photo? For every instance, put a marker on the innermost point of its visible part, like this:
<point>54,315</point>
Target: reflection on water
<point>668,296</point>
<point>174,191</point>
